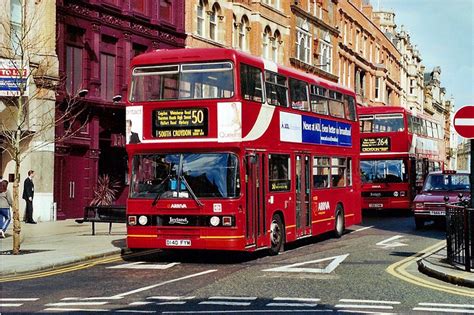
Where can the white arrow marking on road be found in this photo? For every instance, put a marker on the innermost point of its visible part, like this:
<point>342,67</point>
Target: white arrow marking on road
<point>140,265</point>
<point>336,260</point>
<point>387,243</point>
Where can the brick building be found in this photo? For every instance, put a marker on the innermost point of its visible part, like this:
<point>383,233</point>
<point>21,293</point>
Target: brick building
<point>96,41</point>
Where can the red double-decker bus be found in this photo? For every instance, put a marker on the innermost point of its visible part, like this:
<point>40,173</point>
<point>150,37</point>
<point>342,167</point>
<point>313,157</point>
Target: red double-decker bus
<point>228,151</point>
<point>398,149</point>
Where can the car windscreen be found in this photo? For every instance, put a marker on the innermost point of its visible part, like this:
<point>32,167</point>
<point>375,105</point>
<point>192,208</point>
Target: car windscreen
<point>383,171</point>
<point>447,182</point>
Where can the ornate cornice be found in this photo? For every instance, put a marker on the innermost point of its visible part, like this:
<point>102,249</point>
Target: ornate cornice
<point>297,10</point>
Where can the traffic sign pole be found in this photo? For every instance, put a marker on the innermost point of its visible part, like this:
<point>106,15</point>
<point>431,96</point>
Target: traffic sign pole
<point>472,175</point>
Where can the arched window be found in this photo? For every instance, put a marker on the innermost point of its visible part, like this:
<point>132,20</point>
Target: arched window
<point>243,33</point>
<point>325,53</point>
<point>276,46</point>
<point>213,30</point>
<point>266,42</point>
<point>235,31</point>
<point>303,41</point>
<point>200,18</point>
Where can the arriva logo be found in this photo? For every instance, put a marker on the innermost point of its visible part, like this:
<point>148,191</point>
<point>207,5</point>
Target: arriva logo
<point>178,206</point>
<point>323,206</point>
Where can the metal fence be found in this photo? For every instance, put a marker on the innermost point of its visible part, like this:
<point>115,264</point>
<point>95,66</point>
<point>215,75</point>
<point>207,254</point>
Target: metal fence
<point>460,235</point>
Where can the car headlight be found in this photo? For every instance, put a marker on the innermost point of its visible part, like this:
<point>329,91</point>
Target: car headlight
<point>419,205</point>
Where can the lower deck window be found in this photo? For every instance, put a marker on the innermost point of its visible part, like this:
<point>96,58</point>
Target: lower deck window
<point>279,172</point>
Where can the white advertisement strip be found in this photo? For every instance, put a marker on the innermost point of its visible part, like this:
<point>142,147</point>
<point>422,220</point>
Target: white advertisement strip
<point>229,121</point>
<point>290,127</point>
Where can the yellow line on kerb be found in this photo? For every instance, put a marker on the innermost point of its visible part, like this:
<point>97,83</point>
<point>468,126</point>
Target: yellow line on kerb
<point>399,270</point>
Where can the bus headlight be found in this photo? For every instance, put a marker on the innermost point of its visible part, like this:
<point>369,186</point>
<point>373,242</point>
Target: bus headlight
<point>143,220</point>
<point>395,193</point>
<point>215,221</point>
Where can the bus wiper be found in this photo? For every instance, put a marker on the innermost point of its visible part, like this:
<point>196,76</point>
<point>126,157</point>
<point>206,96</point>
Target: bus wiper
<point>159,194</point>
<point>191,192</point>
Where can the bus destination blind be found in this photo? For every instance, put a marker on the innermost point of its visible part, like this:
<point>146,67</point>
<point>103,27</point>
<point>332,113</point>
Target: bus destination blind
<point>180,122</point>
<point>381,144</point>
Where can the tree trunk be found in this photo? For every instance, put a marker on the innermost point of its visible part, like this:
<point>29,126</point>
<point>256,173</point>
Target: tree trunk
<point>16,210</point>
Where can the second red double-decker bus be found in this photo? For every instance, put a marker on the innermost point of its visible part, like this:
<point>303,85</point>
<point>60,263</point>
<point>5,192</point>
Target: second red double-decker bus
<point>229,151</point>
<point>398,150</point>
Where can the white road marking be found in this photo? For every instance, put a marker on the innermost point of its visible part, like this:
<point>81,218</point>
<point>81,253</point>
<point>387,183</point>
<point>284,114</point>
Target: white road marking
<point>388,243</point>
<point>292,304</point>
<point>144,266</point>
<point>336,260</point>
<point>363,229</point>
<point>18,300</point>
<point>140,303</point>
<point>364,312</point>
<point>92,298</point>
<point>311,311</point>
<point>165,283</point>
<point>224,303</point>
<point>447,305</point>
<point>296,299</point>
<point>74,310</point>
<point>170,297</point>
<point>444,310</point>
<point>11,304</point>
<point>377,307</point>
<point>76,304</point>
<point>368,301</point>
<point>135,311</point>
<point>172,303</point>
<point>237,298</point>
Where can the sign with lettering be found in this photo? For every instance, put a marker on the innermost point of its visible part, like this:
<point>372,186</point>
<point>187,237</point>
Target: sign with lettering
<point>180,122</point>
<point>380,144</point>
<point>14,78</point>
<point>306,129</point>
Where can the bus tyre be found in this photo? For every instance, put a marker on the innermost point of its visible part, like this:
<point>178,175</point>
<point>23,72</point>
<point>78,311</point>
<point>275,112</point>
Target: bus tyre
<point>276,235</point>
<point>419,223</point>
<point>339,222</point>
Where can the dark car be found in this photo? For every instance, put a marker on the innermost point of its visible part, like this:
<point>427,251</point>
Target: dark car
<point>429,204</point>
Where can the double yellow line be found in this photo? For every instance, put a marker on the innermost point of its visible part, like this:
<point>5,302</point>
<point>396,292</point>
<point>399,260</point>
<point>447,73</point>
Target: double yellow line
<point>75,267</point>
<point>399,270</point>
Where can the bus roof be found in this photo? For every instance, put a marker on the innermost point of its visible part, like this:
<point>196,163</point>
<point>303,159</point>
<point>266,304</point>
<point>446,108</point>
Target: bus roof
<point>180,55</point>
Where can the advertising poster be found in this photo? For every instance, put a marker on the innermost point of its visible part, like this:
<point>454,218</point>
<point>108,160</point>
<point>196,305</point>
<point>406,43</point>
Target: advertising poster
<point>229,128</point>
<point>134,124</point>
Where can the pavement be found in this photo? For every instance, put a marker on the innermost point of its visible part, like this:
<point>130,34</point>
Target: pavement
<point>49,245</point>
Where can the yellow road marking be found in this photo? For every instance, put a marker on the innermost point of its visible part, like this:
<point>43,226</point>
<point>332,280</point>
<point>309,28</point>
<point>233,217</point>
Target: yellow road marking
<point>66,269</point>
<point>399,270</point>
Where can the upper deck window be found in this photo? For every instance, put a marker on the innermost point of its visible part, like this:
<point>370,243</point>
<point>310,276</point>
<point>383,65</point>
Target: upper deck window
<point>382,123</point>
<point>186,81</point>
<point>299,94</point>
<point>276,89</point>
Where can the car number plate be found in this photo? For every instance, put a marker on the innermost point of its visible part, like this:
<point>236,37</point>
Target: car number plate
<point>375,205</point>
<point>437,213</point>
<point>178,242</point>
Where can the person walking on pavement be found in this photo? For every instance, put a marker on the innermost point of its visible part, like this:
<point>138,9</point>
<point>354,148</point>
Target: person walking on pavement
<point>5,203</point>
<point>28,193</point>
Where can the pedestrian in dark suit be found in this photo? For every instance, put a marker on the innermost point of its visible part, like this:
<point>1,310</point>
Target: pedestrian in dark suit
<point>28,194</point>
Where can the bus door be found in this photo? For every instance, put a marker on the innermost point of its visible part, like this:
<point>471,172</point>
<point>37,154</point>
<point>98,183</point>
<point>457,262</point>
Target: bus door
<point>412,178</point>
<point>255,200</point>
<point>303,194</point>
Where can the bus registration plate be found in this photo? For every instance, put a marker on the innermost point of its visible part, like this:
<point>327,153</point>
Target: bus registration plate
<point>178,242</point>
<point>437,213</point>
<point>375,205</point>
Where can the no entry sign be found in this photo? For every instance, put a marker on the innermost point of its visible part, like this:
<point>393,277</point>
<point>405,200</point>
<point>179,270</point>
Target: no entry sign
<point>464,121</point>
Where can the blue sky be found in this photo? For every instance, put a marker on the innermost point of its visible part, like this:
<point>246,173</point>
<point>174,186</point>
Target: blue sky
<point>444,33</point>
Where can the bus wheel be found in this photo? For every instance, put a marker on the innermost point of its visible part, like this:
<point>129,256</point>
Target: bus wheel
<point>419,223</point>
<point>276,235</point>
<point>339,222</point>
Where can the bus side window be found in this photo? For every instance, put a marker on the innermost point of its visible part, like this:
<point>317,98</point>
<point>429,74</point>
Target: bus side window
<point>349,108</point>
<point>251,83</point>
<point>276,89</point>
<point>338,172</point>
<point>336,106</point>
<point>299,95</point>
<point>321,172</point>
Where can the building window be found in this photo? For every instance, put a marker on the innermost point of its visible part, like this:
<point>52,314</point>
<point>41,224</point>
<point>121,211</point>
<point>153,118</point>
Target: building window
<point>138,49</point>
<point>16,15</point>
<point>166,11</point>
<point>345,34</point>
<point>303,42</point>
<point>325,53</point>
<point>377,88</point>
<point>276,46</point>
<point>244,33</point>
<point>73,69</point>
<point>200,18</point>
<point>213,23</point>
<point>266,43</point>
<point>107,76</point>
<point>139,6</point>
<point>357,41</point>
<point>412,86</point>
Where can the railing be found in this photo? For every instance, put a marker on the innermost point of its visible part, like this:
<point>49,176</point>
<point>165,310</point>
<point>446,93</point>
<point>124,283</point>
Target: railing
<point>460,235</point>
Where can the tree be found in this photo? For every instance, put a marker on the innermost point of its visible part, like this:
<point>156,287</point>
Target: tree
<point>29,95</point>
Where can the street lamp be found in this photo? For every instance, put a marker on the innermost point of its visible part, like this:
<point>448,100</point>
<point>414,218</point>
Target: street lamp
<point>83,92</point>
